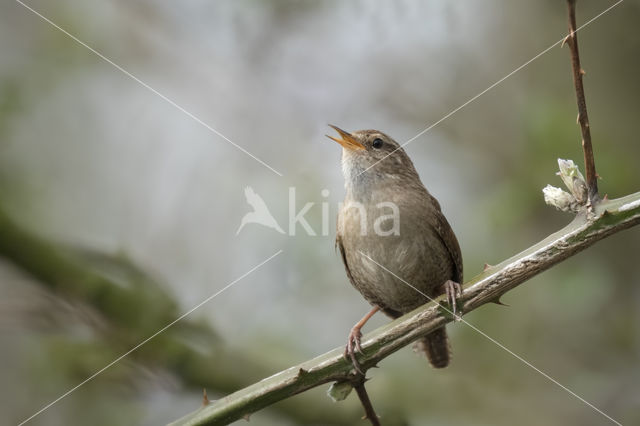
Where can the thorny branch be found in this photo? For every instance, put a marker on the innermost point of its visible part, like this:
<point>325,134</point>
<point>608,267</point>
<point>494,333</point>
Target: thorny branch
<point>583,118</point>
<point>369,412</point>
<point>608,218</point>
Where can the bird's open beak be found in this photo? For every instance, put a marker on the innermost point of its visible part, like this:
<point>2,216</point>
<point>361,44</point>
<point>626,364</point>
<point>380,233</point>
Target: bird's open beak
<point>347,140</point>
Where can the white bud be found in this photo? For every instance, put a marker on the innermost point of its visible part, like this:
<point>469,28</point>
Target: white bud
<point>573,180</point>
<point>559,199</point>
<point>339,391</point>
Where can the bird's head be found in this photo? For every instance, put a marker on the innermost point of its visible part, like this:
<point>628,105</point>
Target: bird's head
<point>370,155</point>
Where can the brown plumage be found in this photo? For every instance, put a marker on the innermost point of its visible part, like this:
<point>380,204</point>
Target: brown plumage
<point>388,217</point>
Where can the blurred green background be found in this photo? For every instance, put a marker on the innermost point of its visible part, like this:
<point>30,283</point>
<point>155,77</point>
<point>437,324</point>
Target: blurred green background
<point>118,212</point>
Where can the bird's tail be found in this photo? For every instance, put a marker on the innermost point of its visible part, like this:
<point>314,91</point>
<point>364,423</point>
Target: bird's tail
<point>436,346</point>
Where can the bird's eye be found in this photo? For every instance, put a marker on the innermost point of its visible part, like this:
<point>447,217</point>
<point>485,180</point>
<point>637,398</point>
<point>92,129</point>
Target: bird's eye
<point>377,143</point>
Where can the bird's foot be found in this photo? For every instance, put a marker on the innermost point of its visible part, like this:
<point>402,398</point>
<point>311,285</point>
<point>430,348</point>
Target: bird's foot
<point>453,290</point>
<point>353,346</point>
<point>353,341</point>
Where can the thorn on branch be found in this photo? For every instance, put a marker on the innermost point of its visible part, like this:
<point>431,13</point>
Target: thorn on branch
<point>205,399</point>
<point>499,302</point>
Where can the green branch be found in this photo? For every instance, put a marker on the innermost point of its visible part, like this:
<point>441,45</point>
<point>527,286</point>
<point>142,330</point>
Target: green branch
<point>589,226</point>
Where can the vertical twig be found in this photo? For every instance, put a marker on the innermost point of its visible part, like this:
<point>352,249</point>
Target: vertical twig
<point>369,412</point>
<point>583,118</point>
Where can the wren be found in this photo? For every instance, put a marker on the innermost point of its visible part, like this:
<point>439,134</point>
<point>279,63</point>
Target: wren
<point>417,244</point>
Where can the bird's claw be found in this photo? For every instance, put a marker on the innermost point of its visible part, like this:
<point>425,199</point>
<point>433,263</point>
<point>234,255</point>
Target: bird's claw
<point>453,290</point>
<point>353,346</point>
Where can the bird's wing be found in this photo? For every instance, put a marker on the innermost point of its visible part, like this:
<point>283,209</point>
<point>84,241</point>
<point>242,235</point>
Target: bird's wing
<point>343,254</point>
<point>450,241</point>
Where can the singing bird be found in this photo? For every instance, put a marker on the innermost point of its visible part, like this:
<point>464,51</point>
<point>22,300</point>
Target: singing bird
<point>260,213</point>
<point>395,271</point>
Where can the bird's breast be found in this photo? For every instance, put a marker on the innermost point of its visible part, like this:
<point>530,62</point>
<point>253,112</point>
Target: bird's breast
<point>392,269</point>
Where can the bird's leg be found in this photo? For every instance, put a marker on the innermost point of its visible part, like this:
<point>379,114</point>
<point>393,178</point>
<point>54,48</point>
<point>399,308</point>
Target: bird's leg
<point>353,341</point>
<point>453,290</point>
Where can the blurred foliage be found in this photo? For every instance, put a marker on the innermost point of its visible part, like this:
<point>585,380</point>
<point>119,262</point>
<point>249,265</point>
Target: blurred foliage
<point>132,307</point>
